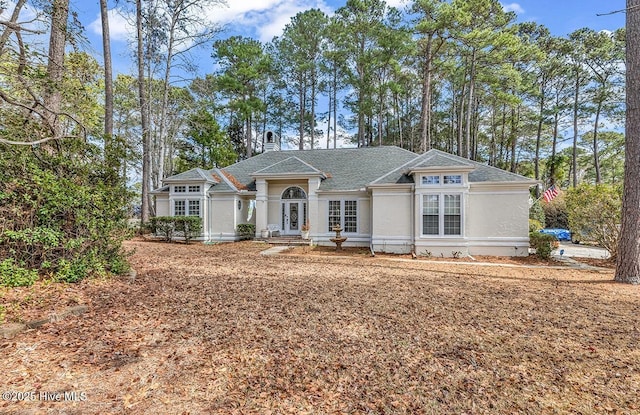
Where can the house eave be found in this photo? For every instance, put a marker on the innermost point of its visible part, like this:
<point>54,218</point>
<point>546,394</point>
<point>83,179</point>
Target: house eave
<point>287,176</point>
<point>391,186</point>
<point>441,169</point>
<point>508,184</point>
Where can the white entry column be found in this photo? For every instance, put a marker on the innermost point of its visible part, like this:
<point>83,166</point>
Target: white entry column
<point>262,212</point>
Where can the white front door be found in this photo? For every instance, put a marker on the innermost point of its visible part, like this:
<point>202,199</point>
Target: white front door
<point>292,217</point>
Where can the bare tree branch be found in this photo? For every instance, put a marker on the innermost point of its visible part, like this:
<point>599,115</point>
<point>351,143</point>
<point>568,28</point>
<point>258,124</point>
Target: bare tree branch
<point>33,143</point>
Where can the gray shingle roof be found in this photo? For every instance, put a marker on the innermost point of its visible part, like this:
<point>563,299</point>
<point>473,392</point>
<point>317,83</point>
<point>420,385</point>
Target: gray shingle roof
<point>192,175</point>
<point>291,165</point>
<point>436,158</point>
<point>346,168</point>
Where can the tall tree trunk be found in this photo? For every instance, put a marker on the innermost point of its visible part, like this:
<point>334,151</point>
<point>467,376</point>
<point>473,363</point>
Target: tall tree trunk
<point>628,262</point>
<point>248,136</point>
<point>425,110</point>
<point>329,118</point>
<point>554,146</point>
<point>335,107</point>
<point>539,137</point>
<point>108,74</point>
<point>55,66</point>
<point>472,80</point>
<point>144,118</point>
<point>596,160</point>
<point>313,108</point>
<point>460,123</point>
<point>398,110</point>
<point>574,161</point>
<point>515,115</point>
<point>302,103</point>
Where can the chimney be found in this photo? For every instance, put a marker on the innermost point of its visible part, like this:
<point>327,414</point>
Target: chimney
<point>271,142</point>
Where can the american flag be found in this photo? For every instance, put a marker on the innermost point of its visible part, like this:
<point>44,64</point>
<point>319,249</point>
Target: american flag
<point>550,193</point>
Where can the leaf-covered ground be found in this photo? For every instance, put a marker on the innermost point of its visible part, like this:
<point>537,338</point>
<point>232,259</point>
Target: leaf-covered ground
<point>223,329</point>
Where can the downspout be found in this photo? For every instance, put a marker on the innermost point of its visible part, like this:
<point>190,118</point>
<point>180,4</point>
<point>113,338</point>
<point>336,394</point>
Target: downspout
<point>413,221</point>
<point>371,224</point>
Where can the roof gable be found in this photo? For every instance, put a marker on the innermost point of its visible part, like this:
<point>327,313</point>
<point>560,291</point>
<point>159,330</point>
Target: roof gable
<point>196,174</point>
<point>440,160</point>
<point>289,166</point>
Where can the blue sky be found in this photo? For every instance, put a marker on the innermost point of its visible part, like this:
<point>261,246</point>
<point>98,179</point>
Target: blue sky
<point>264,19</point>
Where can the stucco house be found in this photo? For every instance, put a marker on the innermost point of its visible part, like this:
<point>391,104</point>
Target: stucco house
<point>385,198</point>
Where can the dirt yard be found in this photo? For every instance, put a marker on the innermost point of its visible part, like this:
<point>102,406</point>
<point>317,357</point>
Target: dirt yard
<point>221,329</point>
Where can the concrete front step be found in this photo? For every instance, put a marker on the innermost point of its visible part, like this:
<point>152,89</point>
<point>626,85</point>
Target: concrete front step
<point>286,240</point>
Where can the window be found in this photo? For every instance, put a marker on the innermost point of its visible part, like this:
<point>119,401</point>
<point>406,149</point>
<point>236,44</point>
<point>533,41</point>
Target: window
<point>452,215</point>
<point>436,179</point>
<point>186,208</point>
<point>334,213</point>
<point>179,208</point>
<point>345,214</point>
<point>430,179</point>
<point>350,216</point>
<point>453,179</point>
<point>294,192</point>
<point>179,189</point>
<point>194,208</point>
<point>194,189</point>
<point>430,215</point>
<point>442,214</point>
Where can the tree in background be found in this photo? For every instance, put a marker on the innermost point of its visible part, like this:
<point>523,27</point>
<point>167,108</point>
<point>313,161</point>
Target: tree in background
<point>205,144</point>
<point>299,51</point>
<point>243,65</point>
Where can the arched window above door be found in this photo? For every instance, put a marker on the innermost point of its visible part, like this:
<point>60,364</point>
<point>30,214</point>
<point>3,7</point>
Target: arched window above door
<point>294,193</point>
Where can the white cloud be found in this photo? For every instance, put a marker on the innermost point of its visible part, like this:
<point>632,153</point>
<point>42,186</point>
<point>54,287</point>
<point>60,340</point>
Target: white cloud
<point>262,19</point>
<point>120,28</point>
<point>513,7</point>
<point>399,4</point>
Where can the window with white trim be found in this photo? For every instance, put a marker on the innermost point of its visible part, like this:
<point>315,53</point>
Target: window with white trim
<point>179,189</point>
<point>179,208</point>
<point>345,214</point>
<point>452,179</point>
<point>194,208</point>
<point>350,216</point>
<point>440,180</point>
<point>442,214</point>
<point>186,208</point>
<point>430,180</point>
<point>194,189</point>
<point>334,214</point>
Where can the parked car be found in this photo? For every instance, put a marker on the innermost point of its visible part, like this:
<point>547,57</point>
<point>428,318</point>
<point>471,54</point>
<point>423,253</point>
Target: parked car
<point>560,234</point>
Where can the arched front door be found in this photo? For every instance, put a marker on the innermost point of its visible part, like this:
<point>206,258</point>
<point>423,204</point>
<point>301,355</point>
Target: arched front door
<point>293,210</point>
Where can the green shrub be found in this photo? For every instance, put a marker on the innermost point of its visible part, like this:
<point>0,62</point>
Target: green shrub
<point>246,230</point>
<point>555,213</point>
<point>534,225</point>
<point>536,212</point>
<point>57,203</point>
<point>187,227</point>
<point>13,275</point>
<point>163,226</point>
<point>71,271</point>
<point>594,213</point>
<point>543,243</point>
